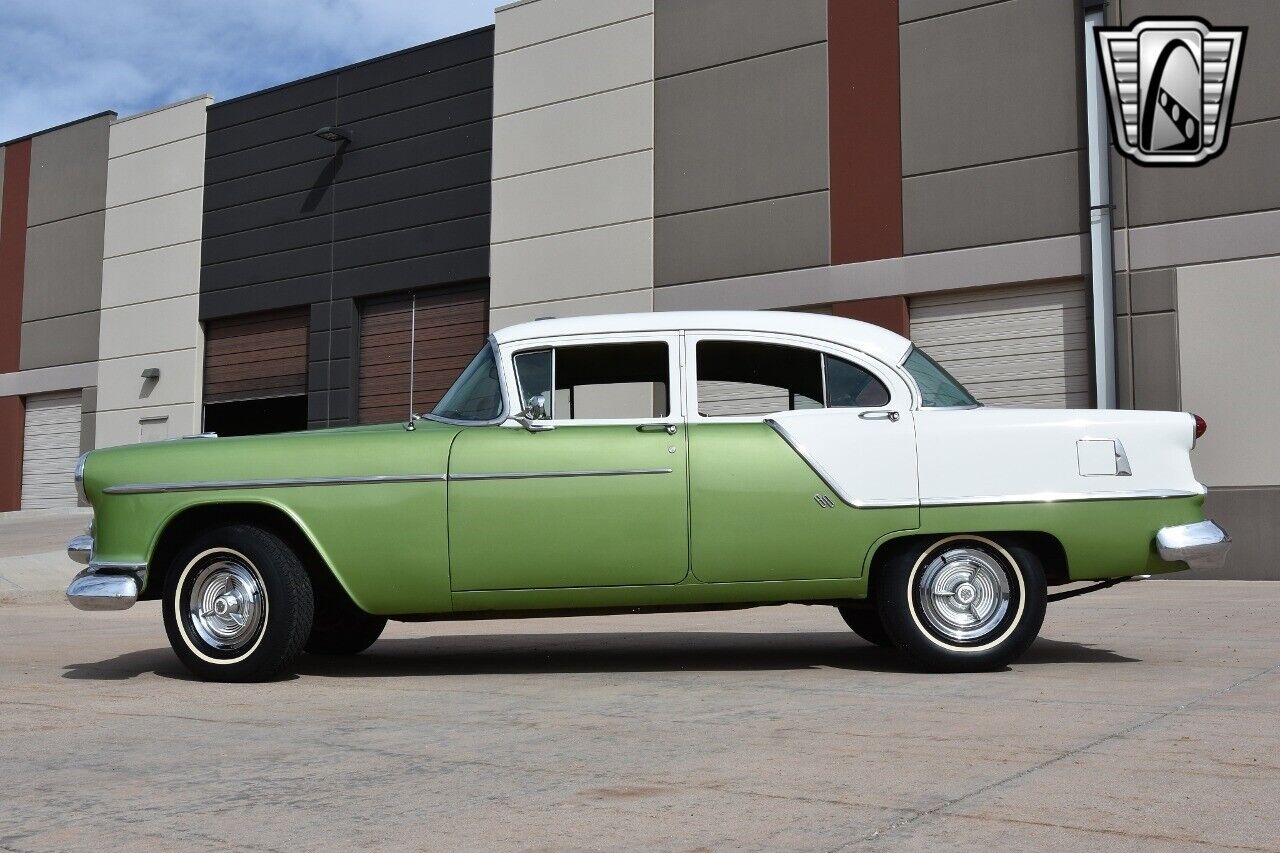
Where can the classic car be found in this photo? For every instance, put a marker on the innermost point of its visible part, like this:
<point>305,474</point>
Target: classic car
<point>650,462</point>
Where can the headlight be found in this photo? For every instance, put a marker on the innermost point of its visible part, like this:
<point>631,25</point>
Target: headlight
<point>80,476</point>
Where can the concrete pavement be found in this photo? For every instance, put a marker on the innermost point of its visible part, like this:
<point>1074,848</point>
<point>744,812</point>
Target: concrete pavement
<point>1144,719</point>
<point>33,553</point>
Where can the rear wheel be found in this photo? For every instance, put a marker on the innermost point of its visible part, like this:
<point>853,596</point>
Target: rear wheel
<point>238,604</point>
<point>866,623</point>
<point>962,603</point>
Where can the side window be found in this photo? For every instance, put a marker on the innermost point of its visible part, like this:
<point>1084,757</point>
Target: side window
<point>742,378</point>
<point>595,381</point>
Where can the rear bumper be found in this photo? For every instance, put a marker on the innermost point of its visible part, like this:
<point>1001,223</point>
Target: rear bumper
<point>1202,545</point>
<point>103,585</point>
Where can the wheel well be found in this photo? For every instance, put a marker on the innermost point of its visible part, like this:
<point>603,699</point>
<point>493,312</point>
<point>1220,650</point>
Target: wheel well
<point>1053,557</point>
<point>192,520</point>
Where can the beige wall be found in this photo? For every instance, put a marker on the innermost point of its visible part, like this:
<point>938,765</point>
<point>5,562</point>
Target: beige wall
<point>151,277</point>
<point>572,159</point>
<point>1228,353</point>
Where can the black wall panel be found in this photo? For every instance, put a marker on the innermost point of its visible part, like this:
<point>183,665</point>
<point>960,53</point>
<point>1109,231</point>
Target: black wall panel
<point>292,220</point>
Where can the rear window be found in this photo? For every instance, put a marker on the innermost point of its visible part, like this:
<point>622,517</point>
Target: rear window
<point>938,389</point>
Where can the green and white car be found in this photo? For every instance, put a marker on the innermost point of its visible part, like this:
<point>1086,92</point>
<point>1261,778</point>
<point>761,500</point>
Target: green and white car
<point>649,462</point>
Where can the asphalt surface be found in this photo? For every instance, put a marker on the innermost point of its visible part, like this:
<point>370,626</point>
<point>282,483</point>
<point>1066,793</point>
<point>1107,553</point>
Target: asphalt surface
<point>1145,719</point>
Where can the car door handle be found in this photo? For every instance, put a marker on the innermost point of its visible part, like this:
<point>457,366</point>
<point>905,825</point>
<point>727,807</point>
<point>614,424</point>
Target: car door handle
<point>879,415</point>
<point>669,429</point>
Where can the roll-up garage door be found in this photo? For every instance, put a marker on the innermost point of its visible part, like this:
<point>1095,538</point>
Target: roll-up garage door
<point>50,448</point>
<point>256,356</point>
<point>1026,345</point>
<point>421,340</point>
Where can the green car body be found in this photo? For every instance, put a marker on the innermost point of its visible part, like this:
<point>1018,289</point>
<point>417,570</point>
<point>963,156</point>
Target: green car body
<point>505,514</point>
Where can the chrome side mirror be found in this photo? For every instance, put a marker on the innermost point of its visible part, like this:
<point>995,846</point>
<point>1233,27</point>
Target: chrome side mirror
<point>534,414</point>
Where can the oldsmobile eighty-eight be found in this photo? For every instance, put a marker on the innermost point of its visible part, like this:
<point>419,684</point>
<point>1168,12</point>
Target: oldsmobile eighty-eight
<point>650,462</point>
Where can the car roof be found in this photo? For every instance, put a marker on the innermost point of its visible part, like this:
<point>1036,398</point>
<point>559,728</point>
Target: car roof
<point>872,340</point>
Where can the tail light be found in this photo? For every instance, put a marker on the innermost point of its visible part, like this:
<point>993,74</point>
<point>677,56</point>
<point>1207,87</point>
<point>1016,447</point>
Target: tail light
<point>1201,427</point>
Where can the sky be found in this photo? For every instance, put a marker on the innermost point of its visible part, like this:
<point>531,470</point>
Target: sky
<point>62,60</point>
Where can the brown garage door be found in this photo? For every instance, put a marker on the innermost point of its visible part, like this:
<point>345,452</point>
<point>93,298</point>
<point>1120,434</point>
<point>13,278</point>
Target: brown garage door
<point>417,340</point>
<point>256,356</point>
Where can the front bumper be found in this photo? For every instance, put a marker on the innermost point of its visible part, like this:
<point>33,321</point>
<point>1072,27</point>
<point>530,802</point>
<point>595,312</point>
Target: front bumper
<point>1202,545</point>
<point>103,585</point>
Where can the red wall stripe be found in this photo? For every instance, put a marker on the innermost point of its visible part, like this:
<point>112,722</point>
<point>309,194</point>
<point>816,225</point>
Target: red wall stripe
<point>13,258</point>
<point>865,128</point>
<point>13,250</point>
<point>13,416</point>
<point>887,312</point>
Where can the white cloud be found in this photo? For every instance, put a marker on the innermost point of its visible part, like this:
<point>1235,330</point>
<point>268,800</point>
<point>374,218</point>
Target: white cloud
<point>64,59</point>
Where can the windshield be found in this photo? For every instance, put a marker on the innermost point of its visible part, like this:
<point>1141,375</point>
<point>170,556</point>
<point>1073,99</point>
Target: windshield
<point>937,388</point>
<point>477,393</point>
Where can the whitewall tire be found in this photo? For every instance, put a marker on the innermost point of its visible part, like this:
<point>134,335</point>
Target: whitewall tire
<point>238,604</point>
<point>963,602</point>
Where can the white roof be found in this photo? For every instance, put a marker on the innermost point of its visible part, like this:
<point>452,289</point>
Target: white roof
<point>872,340</point>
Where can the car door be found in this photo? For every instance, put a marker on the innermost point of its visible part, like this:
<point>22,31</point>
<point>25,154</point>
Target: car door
<point>800,456</point>
<point>592,490</point>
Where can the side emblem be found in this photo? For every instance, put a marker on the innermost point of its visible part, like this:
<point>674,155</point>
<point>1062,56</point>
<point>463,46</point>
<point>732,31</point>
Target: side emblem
<point>823,501</point>
<point>1171,86</point>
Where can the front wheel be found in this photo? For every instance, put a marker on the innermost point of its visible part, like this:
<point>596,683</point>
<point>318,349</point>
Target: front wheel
<point>962,603</point>
<point>238,604</point>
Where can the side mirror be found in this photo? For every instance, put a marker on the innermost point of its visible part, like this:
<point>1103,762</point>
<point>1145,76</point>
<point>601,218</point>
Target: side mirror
<point>534,414</point>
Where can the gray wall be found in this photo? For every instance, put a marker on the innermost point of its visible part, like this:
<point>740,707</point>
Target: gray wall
<point>741,158</point>
<point>62,281</point>
<point>573,96</point>
<point>1246,177</point>
<point>151,276</point>
<point>991,137</point>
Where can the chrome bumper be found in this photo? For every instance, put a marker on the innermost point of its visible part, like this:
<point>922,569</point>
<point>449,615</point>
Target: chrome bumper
<point>101,585</point>
<point>1202,545</point>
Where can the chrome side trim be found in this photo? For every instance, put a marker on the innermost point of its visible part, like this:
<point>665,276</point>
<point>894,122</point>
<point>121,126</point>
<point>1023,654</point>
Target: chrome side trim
<point>296,482</point>
<point>548,475</point>
<point>284,482</point>
<point>1202,545</point>
<point>1055,497</point>
<point>826,479</point>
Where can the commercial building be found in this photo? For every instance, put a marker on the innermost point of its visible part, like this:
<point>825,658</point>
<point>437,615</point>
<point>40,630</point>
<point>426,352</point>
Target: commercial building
<point>339,266</point>
<point>53,197</point>
<point>922,164</point>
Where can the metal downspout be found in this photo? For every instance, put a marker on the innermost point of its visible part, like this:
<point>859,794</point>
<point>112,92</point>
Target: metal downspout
<point>1102,272</point>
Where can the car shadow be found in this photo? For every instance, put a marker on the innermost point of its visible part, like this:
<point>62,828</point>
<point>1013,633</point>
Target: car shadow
<point>641,651</point>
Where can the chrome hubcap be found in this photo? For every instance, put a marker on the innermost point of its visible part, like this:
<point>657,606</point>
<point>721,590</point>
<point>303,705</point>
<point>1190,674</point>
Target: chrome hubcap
<point>226,604</point>
<point>964,594</point>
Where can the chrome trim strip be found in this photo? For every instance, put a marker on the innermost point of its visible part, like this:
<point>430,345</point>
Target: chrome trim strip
<point>547,475</point>
<point>284,482</point>
<point>1055,497</point>
<point>826,478</point>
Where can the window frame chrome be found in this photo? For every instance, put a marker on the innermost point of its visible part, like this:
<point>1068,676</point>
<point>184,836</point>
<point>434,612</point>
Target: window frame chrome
<point>892,379</point>
<point>672,339</point>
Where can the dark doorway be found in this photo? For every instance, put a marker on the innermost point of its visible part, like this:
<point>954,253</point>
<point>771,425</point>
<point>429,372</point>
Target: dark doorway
<point>256,417</point>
